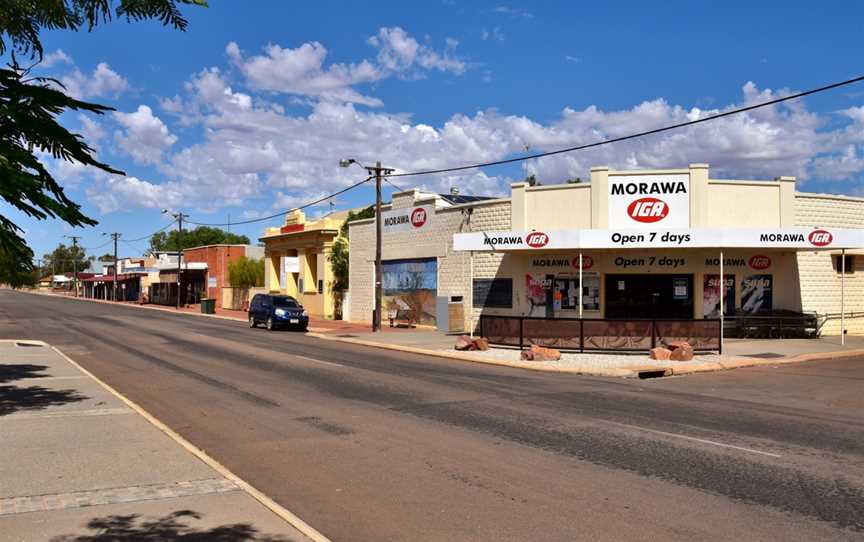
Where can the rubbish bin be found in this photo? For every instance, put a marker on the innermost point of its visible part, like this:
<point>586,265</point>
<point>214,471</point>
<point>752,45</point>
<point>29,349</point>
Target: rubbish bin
<point>208,306</point>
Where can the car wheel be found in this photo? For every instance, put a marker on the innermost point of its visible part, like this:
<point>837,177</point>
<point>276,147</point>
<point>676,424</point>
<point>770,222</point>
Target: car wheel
<point>304,329</point>
<point>269,323</point>
<point>252,321</point>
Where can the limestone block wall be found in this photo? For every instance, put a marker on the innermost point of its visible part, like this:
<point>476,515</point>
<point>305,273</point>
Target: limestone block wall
<point>454,268</point>
<point>820,281</point>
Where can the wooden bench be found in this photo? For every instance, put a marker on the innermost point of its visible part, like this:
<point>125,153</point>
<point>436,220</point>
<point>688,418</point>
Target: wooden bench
<point>403,316</point>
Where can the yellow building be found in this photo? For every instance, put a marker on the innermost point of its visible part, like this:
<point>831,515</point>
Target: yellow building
<point>297,260</point>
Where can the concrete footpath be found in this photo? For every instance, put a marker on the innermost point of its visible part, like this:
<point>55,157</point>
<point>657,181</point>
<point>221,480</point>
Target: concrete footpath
<point>80,463</point>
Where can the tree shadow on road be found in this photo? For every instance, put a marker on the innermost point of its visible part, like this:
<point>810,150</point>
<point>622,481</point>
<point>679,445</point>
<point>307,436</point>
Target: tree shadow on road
<point>172,528</point>
<point>14,399</point>
<point>8,373</point>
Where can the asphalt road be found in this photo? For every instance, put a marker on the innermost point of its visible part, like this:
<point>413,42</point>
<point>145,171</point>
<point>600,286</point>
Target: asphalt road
<point>370,445</point>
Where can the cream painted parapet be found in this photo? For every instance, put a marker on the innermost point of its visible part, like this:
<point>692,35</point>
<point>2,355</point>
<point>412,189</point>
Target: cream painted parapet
<point>699,199</point>
<point>271,277</point>
<point>519,206</point>
<point>599,197</point>
<point>787,201</point>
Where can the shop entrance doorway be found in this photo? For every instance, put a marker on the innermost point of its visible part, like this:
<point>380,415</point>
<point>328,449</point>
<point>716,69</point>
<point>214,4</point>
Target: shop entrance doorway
<point>649,296</point>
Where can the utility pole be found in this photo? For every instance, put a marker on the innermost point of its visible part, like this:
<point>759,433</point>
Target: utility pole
<point>74,261</point>
<point>179,218</point>
<point>115,236</point>
<point>379,172</point>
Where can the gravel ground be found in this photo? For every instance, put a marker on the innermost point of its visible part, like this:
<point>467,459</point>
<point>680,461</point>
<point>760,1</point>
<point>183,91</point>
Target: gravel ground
<point>604,361</point>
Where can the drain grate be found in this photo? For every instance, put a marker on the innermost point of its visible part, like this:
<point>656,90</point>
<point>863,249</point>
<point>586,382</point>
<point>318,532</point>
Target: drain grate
<point>766,355</point>
<point>28,345</point>
<point>347,336</point>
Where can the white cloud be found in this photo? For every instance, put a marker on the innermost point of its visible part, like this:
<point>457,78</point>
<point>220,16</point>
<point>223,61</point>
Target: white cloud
<point>102,82</point>
<point>495,34</point>
<point>399,52</point>
<point>144,137</point>
<point>303,71</point>
<point>55,59</point>
<point>92,130</point>
<point>117,193</point>
<point>516,13</point>
<point>256,155</point>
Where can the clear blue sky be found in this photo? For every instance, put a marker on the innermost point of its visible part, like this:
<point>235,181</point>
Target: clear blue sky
<point>249,111</point>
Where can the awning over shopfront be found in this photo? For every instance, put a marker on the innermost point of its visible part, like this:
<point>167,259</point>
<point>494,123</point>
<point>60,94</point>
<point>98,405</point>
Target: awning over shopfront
<point>782,238</point>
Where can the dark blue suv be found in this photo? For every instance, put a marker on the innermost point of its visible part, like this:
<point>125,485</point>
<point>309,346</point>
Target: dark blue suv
<point>275,311</point>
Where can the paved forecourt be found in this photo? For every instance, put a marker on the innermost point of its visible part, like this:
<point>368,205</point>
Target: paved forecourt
<point>78,461</point>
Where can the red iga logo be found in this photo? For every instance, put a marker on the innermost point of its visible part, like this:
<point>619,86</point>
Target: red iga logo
<point>587,262</point>
<point>537,239</point>
<point>648,210</point>
<point>759,262</point>
<point>820,238</point>
<point>418,217</point>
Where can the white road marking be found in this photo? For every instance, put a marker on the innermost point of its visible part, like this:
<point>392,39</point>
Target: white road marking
<point>313,360</point>
<point>694,439</point>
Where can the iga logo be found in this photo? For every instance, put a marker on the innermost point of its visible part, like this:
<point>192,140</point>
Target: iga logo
<point>587,262</point>
<point>759,262</point>
<point>820,238</point>
<point>418,217</point>
<point>537,239</point>
<point>648,210</point>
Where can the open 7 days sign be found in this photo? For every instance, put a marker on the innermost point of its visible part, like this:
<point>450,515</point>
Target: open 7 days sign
<point>788,238</point>
<point>649,201</point>
<point>408,219</point>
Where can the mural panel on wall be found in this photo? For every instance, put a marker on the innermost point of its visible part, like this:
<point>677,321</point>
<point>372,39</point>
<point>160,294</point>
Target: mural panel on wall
<point>411,285</point>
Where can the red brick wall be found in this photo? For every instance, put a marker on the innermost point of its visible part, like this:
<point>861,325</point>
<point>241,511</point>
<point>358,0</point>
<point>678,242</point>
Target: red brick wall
<point>217,259</point>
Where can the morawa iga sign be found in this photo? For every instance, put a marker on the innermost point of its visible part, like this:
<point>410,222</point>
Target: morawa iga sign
<point>407,219</point>
<point>790,238</point>
<point>649,201</point>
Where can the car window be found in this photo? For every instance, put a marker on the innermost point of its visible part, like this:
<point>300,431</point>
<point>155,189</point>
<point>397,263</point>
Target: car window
<point>285,302</point>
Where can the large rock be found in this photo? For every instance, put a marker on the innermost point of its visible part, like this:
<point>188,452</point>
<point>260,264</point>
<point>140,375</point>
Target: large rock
<point>674,345</point>
<point>682,353</point>
<point>540,353</point>
<point>527,355</point>
<point>464,342</point>
<point>481,344</point>
<point>660,353</point>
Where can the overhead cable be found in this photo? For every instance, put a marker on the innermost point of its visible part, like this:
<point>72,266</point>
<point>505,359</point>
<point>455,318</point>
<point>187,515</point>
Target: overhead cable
<point>282,213</point>
<point>639,134</point>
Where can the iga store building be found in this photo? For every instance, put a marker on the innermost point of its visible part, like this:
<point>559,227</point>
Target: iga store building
<point>626,245</point>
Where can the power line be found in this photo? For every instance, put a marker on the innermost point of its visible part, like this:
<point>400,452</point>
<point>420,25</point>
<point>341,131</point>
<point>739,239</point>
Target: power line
<point>148,236</point>
<point>639,134</point>
<point>88,249</point>
<point>282,213</point>
<point>394,185</point>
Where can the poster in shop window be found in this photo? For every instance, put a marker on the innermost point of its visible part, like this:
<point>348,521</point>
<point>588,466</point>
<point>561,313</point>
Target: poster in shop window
<point>756,293</point>
<point>536,286</point>
<point>711,295</point>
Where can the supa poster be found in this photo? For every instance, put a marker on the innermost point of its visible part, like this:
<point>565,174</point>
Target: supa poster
<point>711,295</point>
<point>757,293</point>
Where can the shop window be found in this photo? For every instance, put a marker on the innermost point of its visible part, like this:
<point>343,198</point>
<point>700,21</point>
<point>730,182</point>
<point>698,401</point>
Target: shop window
<point>567,293</point>
<point>849,263</point>
<point>493,293</point>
